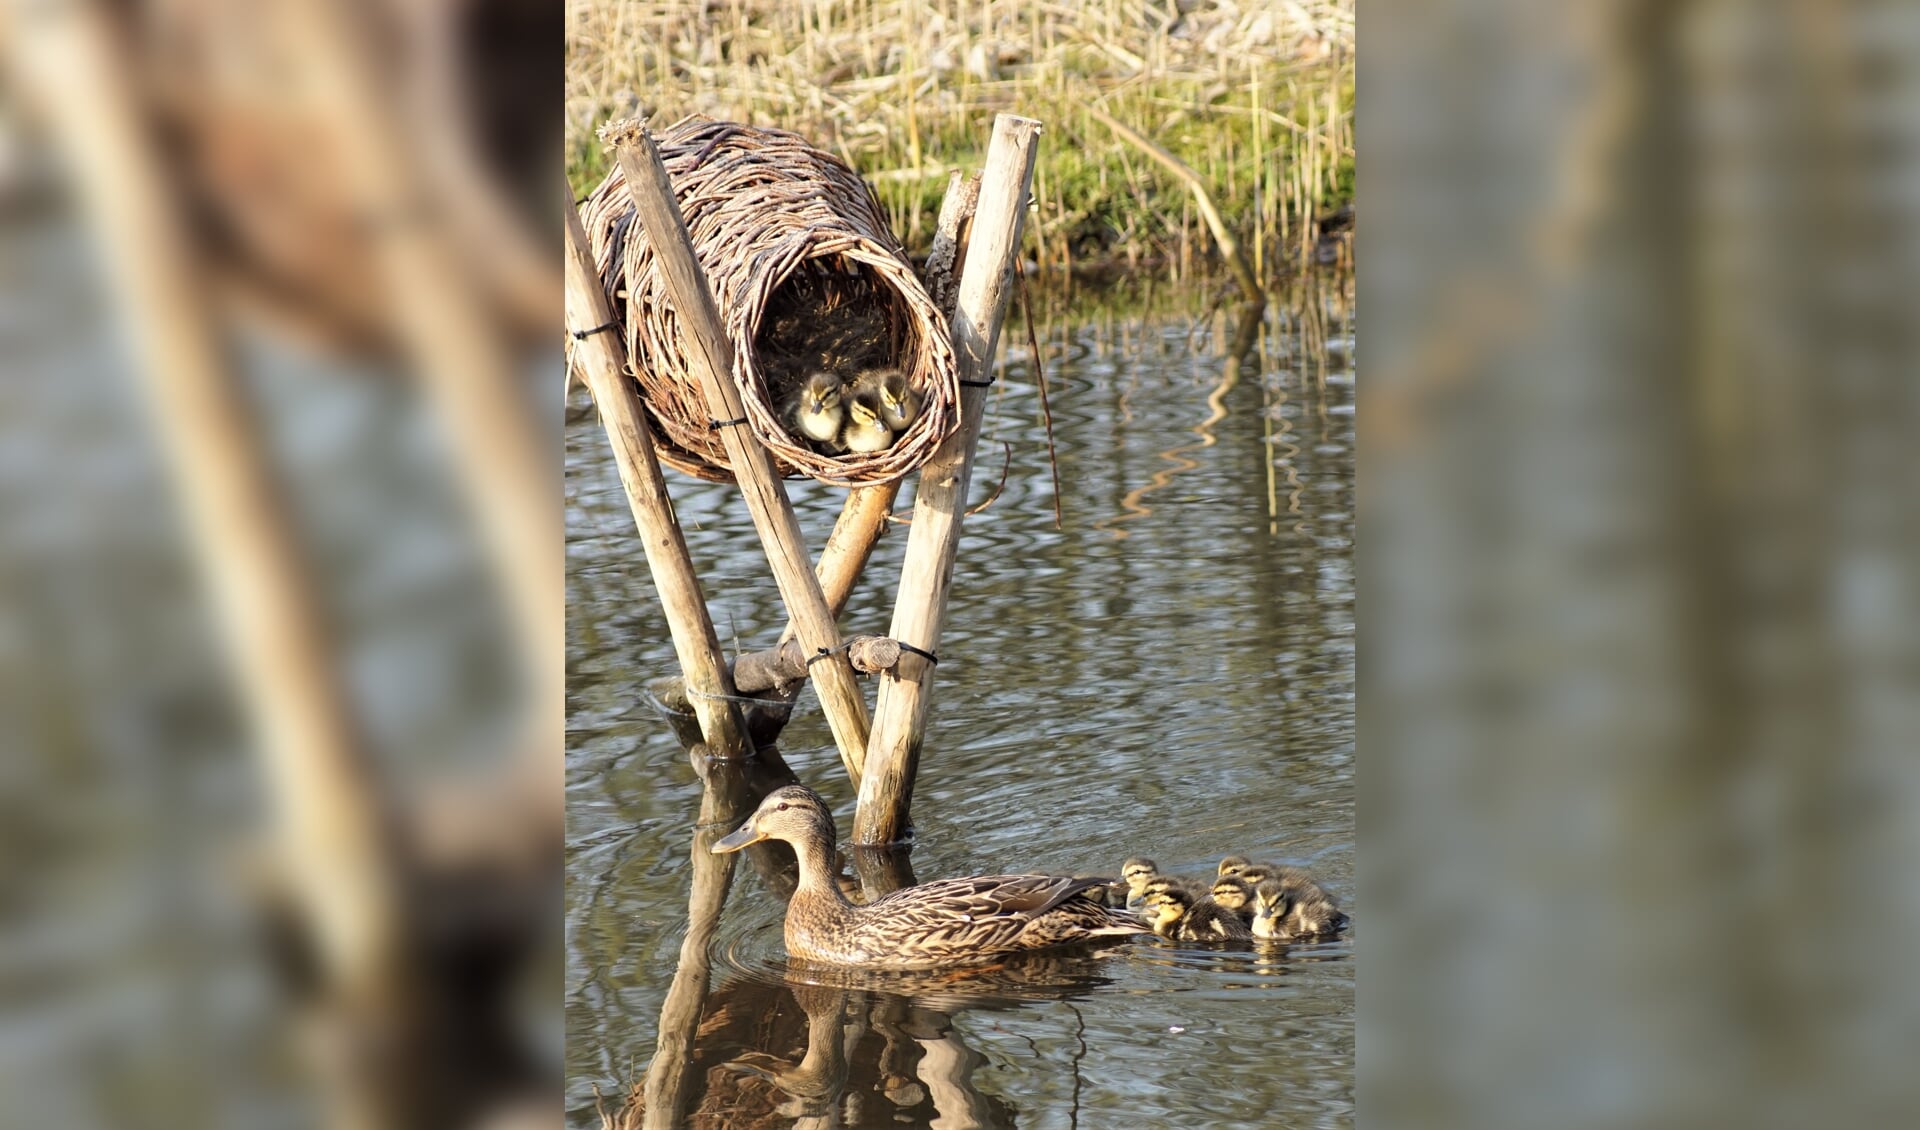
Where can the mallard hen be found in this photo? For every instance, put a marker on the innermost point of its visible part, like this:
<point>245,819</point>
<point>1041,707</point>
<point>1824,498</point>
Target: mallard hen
<point>938,923</point>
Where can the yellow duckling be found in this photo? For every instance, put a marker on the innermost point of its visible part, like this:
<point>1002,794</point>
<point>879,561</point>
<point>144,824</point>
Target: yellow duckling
<point>1234,865</point>
<point>865,430</point>
<point>1233,893</point>
<point>899,403</point>
<point>1176,913</point>
<point>817,410</point>
<point>1134,873</point>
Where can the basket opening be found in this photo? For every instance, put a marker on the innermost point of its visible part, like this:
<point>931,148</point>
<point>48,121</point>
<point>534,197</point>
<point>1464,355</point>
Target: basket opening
<point>835,316</point>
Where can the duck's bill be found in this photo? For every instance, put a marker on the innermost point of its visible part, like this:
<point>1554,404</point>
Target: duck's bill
<point>739,838</point>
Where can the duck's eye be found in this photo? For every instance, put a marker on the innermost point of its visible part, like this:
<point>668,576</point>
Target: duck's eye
<point>782,806</point>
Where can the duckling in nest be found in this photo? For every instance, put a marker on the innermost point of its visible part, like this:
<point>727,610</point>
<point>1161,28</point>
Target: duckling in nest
<point>865,430</point>
<point>933,924</point>
<point>817,408</point>
<point>899,402</point>
<point>1235,894</point>
<point>1294,906</point>
<point>1176,913</point>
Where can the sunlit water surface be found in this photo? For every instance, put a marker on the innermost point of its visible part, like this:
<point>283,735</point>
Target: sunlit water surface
<point>1170,674</point>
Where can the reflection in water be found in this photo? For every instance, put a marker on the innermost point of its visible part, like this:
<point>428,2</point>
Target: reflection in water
<point>824,1046</point>
<point>1183,694</point>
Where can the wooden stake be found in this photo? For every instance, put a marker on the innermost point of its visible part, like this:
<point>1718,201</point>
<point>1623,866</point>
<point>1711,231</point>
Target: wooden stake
<point>711,354</point>
<point>927,574</point>
<point>600,358</point>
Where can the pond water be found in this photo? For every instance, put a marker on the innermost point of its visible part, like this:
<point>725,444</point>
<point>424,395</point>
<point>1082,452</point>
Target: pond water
<point>1169,674</point>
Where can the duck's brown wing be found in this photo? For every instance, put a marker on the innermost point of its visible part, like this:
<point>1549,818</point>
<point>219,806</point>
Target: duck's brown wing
<point>984,897</point>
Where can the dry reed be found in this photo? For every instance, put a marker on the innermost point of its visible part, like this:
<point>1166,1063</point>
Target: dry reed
<point>1256,97</point>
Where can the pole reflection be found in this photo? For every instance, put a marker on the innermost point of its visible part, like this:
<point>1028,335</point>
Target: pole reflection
<point>816,1046</point>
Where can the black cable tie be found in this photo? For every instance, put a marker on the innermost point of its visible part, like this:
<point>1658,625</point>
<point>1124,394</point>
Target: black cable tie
<point>582,335</point>
<point>716,425</point>
<point>929,656</point>
<point>978,384</point>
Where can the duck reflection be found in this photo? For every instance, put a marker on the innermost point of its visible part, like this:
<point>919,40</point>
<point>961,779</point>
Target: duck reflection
<point>820,1046</point>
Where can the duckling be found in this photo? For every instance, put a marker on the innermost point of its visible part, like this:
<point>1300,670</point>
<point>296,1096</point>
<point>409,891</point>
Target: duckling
<point>1235,894</point>
<point>899,402</point>
<point>817,407</point>
<point>1176,913</point>
<point>1233,865</point>
<point>1271,904</point>
<point>1161,884</point>
<point>1292,905</point>
<point>1162,911</point>
<point>1134,873</point>
<point>865,430</point>
<point>1255,874</point>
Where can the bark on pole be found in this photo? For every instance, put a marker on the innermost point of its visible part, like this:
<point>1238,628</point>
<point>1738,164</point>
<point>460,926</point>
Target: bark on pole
<point>600,358</point>
<point>893,753</point>
<point>711,354</point>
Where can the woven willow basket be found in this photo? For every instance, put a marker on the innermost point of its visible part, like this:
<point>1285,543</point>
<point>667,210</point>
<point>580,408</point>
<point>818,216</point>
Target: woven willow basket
<point>776,223</point>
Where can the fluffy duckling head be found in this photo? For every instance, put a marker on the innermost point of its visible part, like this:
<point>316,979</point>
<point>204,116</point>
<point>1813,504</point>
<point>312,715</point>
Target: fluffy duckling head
<point>1232,892</point>
<point>819,408</point>
<point>899,402</point>
<point>866,428</point>
<point>1136,871</point>
<point>1234,865</point>
<point>1166,884</point>
<point>1163,910</point>
<point>1271,905</point>
<point>1258,873</point>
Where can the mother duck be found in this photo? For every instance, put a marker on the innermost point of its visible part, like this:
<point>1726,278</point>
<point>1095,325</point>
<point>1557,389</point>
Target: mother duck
<point>938,923</point>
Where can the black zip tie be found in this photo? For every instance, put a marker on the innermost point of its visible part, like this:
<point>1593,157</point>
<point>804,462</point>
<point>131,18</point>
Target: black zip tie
<point>582,335</point>
<point>977,384</point>
<point>929,656</point>
<point>716,425</point>
<point>823,652</point>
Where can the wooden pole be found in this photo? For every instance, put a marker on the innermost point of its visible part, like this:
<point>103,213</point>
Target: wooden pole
<point>600,358</point>
<point>333,824</point>
<point>926,575</point>
<point>711,354</point>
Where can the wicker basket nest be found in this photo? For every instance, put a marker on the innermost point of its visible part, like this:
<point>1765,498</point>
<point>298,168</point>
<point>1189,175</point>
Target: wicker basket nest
<point>801,263</point>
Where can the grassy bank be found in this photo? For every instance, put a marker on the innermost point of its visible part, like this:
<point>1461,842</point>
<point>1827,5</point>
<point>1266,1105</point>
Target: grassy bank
<point>1256,97</point>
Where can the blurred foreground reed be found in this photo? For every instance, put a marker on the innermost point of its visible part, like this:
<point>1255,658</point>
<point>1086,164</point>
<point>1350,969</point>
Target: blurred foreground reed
<point>284,804</point>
